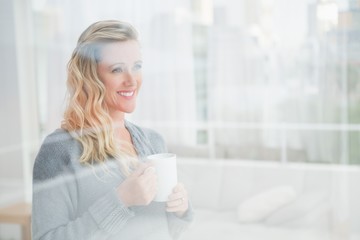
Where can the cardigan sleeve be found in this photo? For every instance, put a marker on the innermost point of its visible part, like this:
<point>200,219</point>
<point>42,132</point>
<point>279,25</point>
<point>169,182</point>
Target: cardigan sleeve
<point>177,225</point>
<point>54,202</point>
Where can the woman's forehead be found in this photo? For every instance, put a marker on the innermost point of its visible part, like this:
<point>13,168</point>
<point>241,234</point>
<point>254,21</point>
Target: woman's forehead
<point>120,52</point>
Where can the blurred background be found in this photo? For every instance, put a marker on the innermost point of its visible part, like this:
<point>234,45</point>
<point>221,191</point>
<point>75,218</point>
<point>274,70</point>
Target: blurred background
<point>259,99</point>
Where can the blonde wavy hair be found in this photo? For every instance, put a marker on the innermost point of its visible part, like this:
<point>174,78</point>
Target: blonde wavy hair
<point>87,116</point>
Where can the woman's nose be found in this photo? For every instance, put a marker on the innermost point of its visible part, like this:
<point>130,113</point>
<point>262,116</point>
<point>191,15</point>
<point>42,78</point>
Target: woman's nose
<point>129,79</point>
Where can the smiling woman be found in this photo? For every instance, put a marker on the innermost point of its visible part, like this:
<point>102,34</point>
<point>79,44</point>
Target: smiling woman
<point>119,69</point>
<point>91,177</point>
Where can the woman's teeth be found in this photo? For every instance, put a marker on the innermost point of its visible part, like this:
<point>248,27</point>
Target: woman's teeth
<point>126,94</point>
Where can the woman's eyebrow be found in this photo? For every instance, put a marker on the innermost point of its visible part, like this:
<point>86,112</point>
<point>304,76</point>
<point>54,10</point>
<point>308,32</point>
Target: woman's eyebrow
<point>121,63</point>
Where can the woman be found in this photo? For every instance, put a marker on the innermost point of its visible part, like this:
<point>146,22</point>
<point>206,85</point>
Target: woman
<point>91,179</point>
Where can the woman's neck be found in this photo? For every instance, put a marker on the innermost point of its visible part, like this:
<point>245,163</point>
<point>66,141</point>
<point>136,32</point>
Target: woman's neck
<point>118,120</point>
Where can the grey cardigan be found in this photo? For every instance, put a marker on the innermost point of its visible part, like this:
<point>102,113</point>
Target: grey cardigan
<point>72,201</point>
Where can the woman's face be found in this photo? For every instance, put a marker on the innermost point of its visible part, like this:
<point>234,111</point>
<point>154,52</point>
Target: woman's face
<point>120,70</point>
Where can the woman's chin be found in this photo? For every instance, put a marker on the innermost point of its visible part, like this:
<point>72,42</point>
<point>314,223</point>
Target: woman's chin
<point>128,109</point>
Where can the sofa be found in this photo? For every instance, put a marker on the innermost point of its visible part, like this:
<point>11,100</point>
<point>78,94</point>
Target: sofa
<point>309,201</point>
<point>240,199</point>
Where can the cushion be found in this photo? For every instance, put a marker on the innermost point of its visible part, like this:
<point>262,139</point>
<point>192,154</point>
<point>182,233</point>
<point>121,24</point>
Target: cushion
<point>261,205</point>
<point>300,211</point>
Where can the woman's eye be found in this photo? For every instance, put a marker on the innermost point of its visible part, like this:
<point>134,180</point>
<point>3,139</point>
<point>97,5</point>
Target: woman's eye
<point>117,70</point>
<point>137,67</point>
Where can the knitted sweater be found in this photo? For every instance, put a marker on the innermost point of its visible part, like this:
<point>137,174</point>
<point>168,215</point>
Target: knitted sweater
<point>72,201</point>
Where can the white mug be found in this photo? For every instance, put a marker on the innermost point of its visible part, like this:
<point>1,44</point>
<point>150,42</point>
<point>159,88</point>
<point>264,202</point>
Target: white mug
<point>165,168</point>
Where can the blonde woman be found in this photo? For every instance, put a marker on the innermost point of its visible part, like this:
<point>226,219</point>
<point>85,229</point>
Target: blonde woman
<point>91,179</point>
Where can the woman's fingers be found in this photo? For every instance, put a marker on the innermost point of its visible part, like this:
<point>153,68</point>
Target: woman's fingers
<point>177,206</point>
<point>178,188</point>
<point>177,195</point>
<point>140,169</point>
<point>140,187</point>
<point>149,170</point>
<point>179,192</point>
<point>178,200</point>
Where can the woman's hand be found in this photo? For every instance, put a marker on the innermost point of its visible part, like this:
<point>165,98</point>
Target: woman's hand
<point>178,202</point>
<point>140,187</point>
